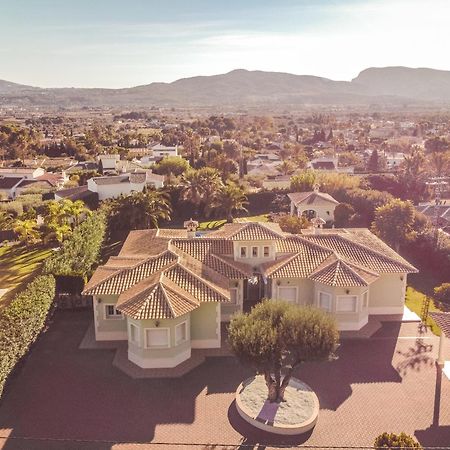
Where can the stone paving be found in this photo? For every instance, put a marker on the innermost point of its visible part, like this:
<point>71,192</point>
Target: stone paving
<point>63,397</point>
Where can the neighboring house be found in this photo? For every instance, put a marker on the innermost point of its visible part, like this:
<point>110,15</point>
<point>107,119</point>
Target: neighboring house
<point>124,184</point>
<point>76,193</point>
<point>429,209</point>
<point>29,173</point>
<point>160,151</point>
<point>313,204</point>
<point>277,182</point>
<point>328,164</point>
<point>394,159</point>
<point>37,179</point>
<point>263,170</point>
<point>8,186</point>
<point>168,290</point>
<point>137,152</point>
<point>108,163</point>
<point>82,166</point>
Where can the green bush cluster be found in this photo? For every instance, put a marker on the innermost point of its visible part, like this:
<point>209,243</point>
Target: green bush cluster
<point>395,441</point>
<point>22,321</point>
<point>442,293</point>
<point>80,251</point>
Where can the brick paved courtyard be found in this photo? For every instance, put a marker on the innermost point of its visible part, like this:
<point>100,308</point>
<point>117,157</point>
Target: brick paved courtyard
<point>66,398</point>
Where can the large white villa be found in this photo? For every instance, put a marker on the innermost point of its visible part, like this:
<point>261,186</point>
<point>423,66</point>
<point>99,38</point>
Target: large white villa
<point>168,290</point>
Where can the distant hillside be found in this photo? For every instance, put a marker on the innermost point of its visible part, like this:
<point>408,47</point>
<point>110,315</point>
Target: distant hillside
<point>241,87</point>
<point>421,84</point>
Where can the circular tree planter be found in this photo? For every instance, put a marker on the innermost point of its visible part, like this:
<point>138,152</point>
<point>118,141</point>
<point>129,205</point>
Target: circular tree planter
<point>296,415</point>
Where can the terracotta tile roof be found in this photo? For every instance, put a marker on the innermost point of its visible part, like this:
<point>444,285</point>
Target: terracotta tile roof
<point>228,267</point>
<point>303,259</point>
<point>170,293</point>
<point>362,255</point>
<point>311,198</point>
<point>172,233</point>
<point>157,302</point>
<point>200,247</point>
<point>199,288</point>
<point>121,262</point>
<point>157,275</point>
<point>208,254</point>
<point>143,242</point>
<point>339,273</point>
<point>443,321</point>
<point>119,280</point>
<point>251,231</point>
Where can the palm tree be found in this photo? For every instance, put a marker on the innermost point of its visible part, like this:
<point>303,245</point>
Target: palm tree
<point>155,206</point>
<point>193,186</point>
<point>440,162</point>
<point>139,210</point>
<point>212,183</point>
<point>231,198</point>
<point>286,167</point>
<point>27,231</point>
<point>413,175</point>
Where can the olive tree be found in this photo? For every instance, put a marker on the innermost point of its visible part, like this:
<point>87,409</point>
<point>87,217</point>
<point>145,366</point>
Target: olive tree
<point>275,337</point>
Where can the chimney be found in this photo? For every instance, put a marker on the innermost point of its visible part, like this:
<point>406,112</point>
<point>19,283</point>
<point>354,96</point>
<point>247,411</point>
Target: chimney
<point>317,224</point>
<point>191,227</point>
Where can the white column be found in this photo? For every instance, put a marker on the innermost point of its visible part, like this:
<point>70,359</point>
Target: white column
<point>441,360</point>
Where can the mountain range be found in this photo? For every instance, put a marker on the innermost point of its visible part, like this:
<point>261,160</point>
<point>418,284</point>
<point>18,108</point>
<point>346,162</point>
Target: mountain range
<point>388,85</point>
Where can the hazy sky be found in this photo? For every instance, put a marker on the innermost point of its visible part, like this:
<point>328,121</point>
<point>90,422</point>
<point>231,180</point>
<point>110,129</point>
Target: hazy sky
<point>119,43</point>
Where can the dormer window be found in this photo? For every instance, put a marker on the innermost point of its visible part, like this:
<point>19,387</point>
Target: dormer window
<point>254,252</point>
<point>243,252</point>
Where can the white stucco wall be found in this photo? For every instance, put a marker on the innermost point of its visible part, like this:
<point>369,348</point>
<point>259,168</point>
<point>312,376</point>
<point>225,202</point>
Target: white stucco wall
<point>387,294</point>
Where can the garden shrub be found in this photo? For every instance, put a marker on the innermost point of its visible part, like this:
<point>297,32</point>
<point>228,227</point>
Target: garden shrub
<point>80,252</point>
<point>22,321</point>
<point>395,441</point>
<point>442,293</point>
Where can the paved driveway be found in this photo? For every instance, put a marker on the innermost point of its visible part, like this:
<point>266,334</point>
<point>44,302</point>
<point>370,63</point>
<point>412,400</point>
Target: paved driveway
<point>66,398</point>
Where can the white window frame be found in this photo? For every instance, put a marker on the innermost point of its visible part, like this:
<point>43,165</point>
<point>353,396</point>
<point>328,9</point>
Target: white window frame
<point>156,346</point>
<point>339,299</point>
<point>117,314</point>
<point>136,328</point>
<point>330,297</point>
<point>186,337</point>
<point>264,251</point>
<point>280,297</point>
<point>254,247</point>
<point>243,247</point>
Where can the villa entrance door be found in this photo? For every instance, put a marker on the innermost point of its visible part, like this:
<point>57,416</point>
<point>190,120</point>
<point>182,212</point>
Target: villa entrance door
<point>253,292</point>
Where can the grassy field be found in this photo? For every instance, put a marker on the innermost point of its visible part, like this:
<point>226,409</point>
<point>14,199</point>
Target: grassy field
<point>414,301</point>
<point>216,224</point>
<point>18,265</point>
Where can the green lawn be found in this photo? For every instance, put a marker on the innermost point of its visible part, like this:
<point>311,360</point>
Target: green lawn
<point>18,265</point>
<point>414,301</point>
<point>216,224</point>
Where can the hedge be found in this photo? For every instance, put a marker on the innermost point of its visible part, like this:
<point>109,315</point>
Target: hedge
<point>22,321</point>
<point>80,251</point>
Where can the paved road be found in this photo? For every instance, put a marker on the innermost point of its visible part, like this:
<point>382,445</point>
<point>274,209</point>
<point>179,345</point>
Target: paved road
<point>66,398</point>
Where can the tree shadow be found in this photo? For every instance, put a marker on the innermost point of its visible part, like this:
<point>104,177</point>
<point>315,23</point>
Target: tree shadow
<point>435,435</point>
<point>359,361</point>
<point>62,392</point>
